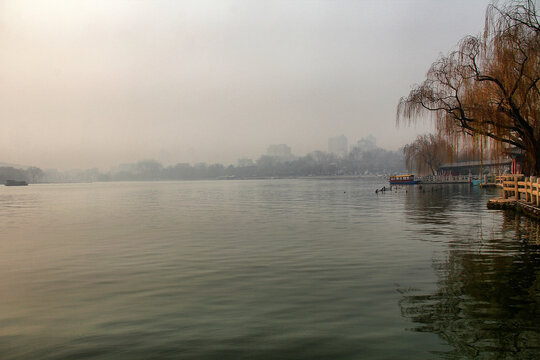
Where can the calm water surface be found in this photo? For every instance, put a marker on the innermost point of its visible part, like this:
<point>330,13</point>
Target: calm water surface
<point>271,269</point>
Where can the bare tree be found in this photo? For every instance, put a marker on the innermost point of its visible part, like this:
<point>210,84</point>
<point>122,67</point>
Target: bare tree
<point>427,153</point>
<point>488,87</point>
<point>35,174</point>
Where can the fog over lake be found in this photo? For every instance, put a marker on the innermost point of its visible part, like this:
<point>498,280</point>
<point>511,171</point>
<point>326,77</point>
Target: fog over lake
<point>225,179</point>
<point>97,83</point>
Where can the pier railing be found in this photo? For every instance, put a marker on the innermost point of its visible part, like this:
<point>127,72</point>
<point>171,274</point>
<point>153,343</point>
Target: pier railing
<point>445,179</point>
<point>501,178</point>
<point>521,188</point>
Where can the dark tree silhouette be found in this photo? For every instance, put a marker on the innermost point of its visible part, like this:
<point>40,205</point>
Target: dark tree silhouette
<point>427,153</point>
<point>488,87</point>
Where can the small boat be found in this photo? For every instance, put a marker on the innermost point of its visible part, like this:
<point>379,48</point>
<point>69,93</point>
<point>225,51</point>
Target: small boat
<point>476,182</point>
<point>403,180</point>
<point>16,183</point>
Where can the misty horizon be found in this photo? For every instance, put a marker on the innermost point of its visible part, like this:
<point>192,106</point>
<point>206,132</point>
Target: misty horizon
<point>353,150</point>
<point>351,147</point>
<point>96,84</point>
<point>256,179</point>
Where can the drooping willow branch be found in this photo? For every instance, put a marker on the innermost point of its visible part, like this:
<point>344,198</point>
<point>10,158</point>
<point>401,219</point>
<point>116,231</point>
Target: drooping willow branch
<point>488,87</point>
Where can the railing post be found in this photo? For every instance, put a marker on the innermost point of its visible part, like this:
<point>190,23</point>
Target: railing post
<point>525,181</point>
<point>529,190</point>
<point>537,191</point>
<point>526,189</point>
<point>533,180</point>
<point>516,192</point>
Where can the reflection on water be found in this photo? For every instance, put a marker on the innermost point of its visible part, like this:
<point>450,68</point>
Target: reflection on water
<point>487,298</point>
<point>284,269</point>
<point>526,230</point>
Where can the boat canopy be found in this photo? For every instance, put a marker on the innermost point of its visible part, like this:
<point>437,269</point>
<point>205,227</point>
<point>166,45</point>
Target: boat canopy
<point>402,177</point>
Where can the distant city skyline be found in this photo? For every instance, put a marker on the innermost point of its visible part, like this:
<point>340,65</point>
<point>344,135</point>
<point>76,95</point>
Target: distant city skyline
<point>281,151</point>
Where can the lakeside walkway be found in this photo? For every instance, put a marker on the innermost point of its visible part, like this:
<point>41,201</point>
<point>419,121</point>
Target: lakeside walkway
<point>519,193</point>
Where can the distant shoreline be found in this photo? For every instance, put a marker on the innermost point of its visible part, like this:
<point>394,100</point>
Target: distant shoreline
<point>322,177</point>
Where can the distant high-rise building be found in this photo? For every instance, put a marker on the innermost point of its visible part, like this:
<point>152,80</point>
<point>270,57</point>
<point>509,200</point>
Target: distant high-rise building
<point>279,150</point>
<point>338,145</point>
<point>367,144</point>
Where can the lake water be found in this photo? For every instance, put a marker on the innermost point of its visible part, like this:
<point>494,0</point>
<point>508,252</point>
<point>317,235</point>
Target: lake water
<point>265,269</point>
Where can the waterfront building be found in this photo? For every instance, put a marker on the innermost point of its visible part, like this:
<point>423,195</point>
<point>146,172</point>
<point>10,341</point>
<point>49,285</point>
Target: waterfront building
<point>478,167</point>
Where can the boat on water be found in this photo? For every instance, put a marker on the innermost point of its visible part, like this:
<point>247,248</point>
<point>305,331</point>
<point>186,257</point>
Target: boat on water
<point>16,183</point>
<point>403,180</point>
<point>476,182</point>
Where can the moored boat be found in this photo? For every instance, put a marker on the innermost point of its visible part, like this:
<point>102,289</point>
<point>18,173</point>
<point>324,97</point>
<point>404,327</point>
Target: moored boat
<point>476,182</point>
<point>16,183</point>
<point>403,180</point>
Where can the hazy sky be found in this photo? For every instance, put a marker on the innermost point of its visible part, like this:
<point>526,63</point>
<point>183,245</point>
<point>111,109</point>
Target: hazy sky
<point>97,83</point>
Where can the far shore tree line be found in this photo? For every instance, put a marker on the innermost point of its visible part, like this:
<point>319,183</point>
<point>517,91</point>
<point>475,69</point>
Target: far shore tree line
<point>318,163</point>
<point>31,174</point>
<point>486,92</point>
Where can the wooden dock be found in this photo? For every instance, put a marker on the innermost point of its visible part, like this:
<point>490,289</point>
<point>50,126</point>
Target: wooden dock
<point>519,193</point>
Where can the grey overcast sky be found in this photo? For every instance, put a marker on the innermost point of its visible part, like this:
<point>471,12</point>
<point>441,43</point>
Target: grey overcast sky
<point>97,83</point>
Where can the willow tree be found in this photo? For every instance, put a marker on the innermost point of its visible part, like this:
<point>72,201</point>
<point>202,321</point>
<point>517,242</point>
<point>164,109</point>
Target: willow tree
<point>489,87</point>
<point>427,153</point>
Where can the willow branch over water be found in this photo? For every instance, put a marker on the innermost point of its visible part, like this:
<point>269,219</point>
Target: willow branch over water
<point>489,87</point>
